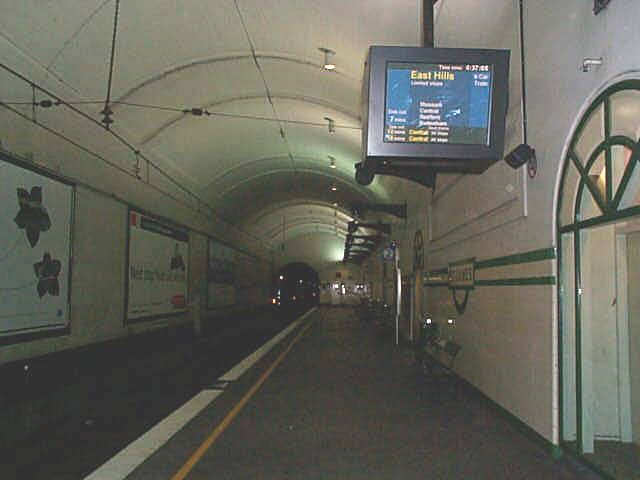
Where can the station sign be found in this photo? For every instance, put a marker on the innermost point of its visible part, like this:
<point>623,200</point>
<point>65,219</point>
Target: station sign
<point>462,274</point>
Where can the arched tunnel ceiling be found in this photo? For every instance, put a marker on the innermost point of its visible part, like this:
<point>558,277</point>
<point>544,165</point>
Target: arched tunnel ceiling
<point>196,53</point>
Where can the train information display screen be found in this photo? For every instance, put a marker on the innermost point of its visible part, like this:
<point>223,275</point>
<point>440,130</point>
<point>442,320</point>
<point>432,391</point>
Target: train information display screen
<point>429,103</point>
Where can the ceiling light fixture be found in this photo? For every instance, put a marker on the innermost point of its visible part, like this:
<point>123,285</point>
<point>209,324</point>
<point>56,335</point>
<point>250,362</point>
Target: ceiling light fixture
<point>328,62</point>
<point>334,188</point>
<point>331,124</point>
<point>333,162</point>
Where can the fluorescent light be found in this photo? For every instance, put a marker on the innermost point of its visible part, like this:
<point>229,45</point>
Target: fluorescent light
<point>328,63</point>
<point>334,188</point>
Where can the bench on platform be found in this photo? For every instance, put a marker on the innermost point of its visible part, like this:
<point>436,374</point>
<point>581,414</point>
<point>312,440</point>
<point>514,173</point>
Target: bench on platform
<point>432,350</point>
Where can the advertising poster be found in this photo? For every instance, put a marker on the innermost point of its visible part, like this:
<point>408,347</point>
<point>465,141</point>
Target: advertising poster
<point>157,268</point>
<point>221,278</point>
<point>35,244</point>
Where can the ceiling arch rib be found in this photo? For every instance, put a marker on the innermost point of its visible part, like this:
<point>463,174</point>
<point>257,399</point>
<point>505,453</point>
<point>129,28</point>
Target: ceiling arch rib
<point>252,197</point>
<point>274,225</point>
<point>276,96</point>
<point>207,147</point>
<point>307,228</point>
<point>202,84</point>
<point>282,206</point>
<point>318,163</point>
<point>287,222</point>
<point>335,179</point>
<point>271,218</point>
<point>159,76</point>
<point>332,181</point>
<point>318,249</point>
<point>301,211</point>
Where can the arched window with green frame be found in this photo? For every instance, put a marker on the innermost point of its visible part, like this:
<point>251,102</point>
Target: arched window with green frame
<point>598,226</point>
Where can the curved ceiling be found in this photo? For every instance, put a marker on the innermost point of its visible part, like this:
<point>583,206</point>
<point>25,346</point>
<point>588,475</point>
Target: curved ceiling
<point>261,151</point>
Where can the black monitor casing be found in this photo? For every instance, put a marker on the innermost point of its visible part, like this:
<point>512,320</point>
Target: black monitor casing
<point>460,158</point>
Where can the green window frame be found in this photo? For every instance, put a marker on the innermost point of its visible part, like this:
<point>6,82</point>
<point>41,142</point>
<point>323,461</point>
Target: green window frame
<point>608,202</point>
<point>577,183</point>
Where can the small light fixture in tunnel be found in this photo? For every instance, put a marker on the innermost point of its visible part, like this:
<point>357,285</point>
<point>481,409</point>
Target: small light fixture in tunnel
<point>334,188</point>
<point>281,277</point>
<point>332,162</point>
<point>335,204</point>
<point>451,321</point>
<point>428,321</point>
<point>328,58</point>
<point>331,124</point>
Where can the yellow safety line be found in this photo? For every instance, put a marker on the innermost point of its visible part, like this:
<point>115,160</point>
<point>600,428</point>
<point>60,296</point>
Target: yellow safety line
<point>222,426</point>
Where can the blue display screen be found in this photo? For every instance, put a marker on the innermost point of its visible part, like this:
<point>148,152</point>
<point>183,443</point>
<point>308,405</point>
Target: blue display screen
<point>438,103</point>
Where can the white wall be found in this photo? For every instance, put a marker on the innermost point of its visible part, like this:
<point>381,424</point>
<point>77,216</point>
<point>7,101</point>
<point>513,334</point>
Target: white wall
<point>633,251</point>
<point>100,229</point>
<point>508,333</point>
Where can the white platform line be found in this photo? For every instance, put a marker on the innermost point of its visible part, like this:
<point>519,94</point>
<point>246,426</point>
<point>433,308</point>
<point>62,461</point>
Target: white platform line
<point>133,455</point>
<point>237,371</point>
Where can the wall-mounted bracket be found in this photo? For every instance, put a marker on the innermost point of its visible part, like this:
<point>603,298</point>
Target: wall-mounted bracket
<point>409,170</point>
<point>364,238</point>
<point>396,209</point>
<point>385,228</point>
<point>599,5</point>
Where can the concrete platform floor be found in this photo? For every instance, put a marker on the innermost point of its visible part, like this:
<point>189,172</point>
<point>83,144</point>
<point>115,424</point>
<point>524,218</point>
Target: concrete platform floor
<point>347,404</point>
<point>75,447</point>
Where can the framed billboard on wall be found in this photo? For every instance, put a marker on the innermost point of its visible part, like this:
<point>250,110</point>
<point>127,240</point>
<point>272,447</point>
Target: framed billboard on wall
<point>221,276</point>
<point>35,251</point>
<point>157,268</point>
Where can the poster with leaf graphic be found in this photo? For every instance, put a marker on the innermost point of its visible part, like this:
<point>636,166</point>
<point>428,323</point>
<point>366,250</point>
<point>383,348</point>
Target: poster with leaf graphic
<point>35,245</point>
<point>157,268</point>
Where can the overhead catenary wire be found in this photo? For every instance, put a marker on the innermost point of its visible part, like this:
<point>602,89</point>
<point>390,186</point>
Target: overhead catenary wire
<point>151,164</point>
<point>125,172</point>
<point>523,73</point>
<point>266,88</point>
<point>186,111</point>
<point>107,111</point>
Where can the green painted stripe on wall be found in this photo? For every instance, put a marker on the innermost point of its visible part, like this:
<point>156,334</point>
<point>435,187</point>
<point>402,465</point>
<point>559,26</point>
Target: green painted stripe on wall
<point>439,271</point>
<point>525,257</point>
<point>503,282</point>
<point>550,280</point>
<point>548,253</point>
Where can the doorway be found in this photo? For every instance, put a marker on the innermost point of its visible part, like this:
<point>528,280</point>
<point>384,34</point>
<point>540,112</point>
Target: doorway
<point>599,284</point>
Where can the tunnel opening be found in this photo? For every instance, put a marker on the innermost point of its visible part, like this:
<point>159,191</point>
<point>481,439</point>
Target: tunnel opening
<point>296,287</point>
